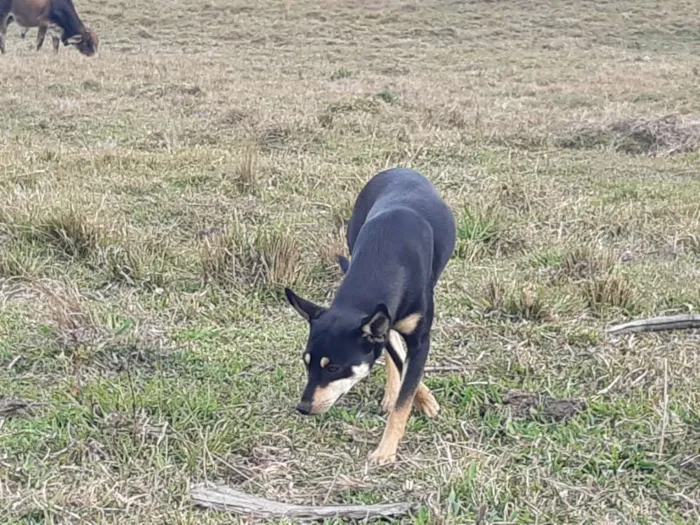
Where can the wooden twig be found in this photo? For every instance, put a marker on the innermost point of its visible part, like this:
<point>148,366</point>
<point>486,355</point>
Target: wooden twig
<point>443,368</point>
<point>656,324</point>
<point>664,420</point>
<point>236,502</point>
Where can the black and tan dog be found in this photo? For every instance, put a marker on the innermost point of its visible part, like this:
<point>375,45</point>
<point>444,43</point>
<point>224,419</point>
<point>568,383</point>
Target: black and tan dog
<point>401,235</point>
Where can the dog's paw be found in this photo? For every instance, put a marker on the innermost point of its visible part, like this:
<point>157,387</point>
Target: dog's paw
<point>425,402</point>
<point>388,402</point>
<point>382,457</point>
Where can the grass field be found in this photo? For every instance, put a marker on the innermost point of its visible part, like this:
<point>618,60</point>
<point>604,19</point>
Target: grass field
<point>155,200</point>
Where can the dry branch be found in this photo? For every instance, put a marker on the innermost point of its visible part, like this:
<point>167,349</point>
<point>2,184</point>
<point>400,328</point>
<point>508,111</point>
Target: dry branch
<point>10,407</point>
<point>231,500</point>
<point>656,324</point>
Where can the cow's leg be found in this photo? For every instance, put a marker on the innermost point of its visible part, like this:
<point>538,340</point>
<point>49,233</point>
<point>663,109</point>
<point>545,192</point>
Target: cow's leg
<point>40,36</point>
<point>56,41</point>
<point>4,16</point>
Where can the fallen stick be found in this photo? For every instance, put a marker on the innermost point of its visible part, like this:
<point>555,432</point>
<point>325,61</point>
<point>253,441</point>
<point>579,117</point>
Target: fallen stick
<point>231,500</point>
<point>656,324</point>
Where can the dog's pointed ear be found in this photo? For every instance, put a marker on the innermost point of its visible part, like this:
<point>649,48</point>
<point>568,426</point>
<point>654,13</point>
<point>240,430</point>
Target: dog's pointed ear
<point>376,326</point>
<point>306,309</point>
<point>343,263</point>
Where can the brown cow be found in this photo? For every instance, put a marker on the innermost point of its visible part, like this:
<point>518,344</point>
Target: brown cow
<point>58,15</point>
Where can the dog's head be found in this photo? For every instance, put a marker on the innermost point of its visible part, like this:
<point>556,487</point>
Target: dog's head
<point>340,351</point>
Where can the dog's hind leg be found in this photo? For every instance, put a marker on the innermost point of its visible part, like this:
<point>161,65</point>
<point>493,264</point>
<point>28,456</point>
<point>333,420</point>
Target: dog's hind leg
<point>425,401</point>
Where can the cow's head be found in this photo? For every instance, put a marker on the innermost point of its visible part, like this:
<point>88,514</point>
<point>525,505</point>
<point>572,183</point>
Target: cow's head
<point>86,42</point>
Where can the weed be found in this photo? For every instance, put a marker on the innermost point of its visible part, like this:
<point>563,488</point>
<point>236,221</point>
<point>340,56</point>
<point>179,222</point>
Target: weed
<point>340,74</point>
<point>386,95</point>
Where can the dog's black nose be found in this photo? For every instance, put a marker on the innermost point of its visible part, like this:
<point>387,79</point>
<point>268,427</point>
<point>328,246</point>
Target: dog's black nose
<point>304,408</point>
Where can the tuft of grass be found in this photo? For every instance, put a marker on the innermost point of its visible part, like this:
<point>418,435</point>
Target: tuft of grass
<point>223,256</point>
<point>545,259</point>
<point>583,262</point>
<point>517,303</point>
<point>247,174</point>
<point>341,213</point>
<point>475,232</point>
<point>610,290</point>
<point>274,138</point>
<point>267,258</point>
<point>278,255</point>
<point>71,233</point>
<point>133,266</point>
<point>328,251</point>
<point>340,110</point>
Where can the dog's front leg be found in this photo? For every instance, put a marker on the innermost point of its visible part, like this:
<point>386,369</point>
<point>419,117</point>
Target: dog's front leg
<point>395,361</point>
<point>393,384</point>
<point>396,424</point>
<point>424,401</point>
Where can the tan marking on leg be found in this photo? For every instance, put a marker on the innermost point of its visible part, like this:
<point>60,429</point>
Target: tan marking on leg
<point>394,431</point>
<point>425,401</point>
<point>307,358</point>
<point>393,384</point>
<point>393,377</point>
<point>408,324</point>
<point>324,362</point>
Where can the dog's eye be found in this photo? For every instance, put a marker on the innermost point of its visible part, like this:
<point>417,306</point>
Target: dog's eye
<point>332,368</point>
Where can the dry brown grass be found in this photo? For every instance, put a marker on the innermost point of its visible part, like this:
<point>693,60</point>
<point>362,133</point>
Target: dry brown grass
<point>666,135</point>
<point>270,257</point>
<point>154,199</point>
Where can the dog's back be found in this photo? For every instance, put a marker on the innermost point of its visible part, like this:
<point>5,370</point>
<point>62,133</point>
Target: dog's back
<point>399,189</point>
<point>401,235</point>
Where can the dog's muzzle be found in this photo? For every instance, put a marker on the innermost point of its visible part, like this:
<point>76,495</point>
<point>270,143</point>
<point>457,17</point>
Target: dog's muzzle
<point>304,408</point>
